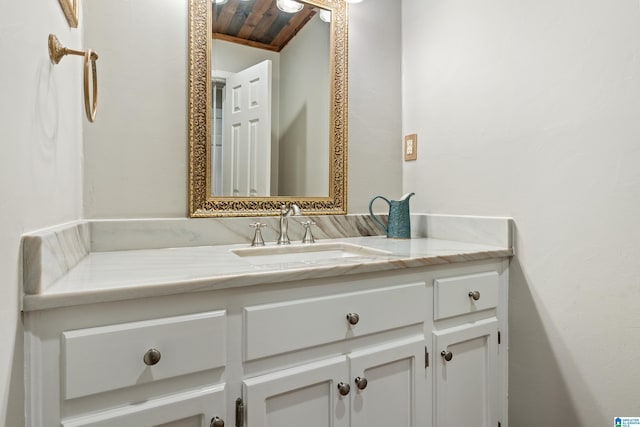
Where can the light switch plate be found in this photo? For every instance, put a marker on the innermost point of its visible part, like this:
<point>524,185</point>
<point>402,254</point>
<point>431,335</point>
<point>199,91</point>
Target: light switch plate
<point>411,147</point>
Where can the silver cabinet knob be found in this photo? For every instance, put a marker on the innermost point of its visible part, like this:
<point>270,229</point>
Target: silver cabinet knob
<point>475,295</point>
<point>343,388</point>
<point>151,357</point>
<point>446,355</point>
<point>216,422</point>
<point>361,383</point>
<point>353,318</point>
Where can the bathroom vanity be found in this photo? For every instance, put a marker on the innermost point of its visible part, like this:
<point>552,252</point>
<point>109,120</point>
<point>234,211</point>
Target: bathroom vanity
<point>358,331</point>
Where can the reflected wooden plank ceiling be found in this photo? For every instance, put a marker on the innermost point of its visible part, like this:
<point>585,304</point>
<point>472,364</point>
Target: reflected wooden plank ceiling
<point>258,23</point>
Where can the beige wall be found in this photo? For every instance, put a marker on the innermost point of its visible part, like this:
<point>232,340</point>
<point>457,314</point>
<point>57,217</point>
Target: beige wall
<point>40,167</point>
<point>136,154</point>
<point>530,109</point>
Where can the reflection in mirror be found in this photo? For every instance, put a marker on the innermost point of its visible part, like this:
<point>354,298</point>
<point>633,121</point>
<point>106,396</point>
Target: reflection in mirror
<point>271,99</point>
<point>302,158</point>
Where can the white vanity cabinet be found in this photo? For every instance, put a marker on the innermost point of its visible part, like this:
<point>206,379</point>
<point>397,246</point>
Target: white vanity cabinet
<point>360,350</point>
<point>469,342</point>
<point>382,385</point>
<point>191,409</point>
<point>370,382</point>
<point>393,391</point>
<point>304,395</point>
<point>127,374</point>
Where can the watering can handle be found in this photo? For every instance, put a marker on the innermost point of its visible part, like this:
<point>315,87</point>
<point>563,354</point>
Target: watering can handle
<point>371,211</point>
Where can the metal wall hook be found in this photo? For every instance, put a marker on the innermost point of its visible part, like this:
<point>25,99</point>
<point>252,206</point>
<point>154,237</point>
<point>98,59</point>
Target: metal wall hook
<point>57,52</point>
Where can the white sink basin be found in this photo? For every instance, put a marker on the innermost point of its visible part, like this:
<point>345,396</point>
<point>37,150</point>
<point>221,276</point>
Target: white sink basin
<point>310,253</point>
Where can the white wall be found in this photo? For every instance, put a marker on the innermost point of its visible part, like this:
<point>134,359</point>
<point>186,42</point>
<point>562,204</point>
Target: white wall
<point>304,118</point>
<point>136,153</point>
<point>233,57</point>
<point>40,164</point>
<point>375,108</point>
<point>530,109</point>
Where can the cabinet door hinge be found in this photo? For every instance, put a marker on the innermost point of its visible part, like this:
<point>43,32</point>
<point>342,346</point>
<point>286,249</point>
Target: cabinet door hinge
<point>426,357</point>
<point>499,337</point>
<point>239,412</point>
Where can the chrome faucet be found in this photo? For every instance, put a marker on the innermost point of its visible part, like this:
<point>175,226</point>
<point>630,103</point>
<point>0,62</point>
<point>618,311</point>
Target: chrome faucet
<point>285,212</point>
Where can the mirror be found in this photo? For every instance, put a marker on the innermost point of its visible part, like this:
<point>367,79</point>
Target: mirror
<point>270,77</point>
<point>294,151</point>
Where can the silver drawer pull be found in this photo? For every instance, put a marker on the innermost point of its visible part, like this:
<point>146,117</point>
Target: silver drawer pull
<point>361,383</point>
<point>152,357</point>
<point>446,355</point>
<point>475,295</point>
<point>353,318</point>
<point>217,422</point>
<point>344,388</point>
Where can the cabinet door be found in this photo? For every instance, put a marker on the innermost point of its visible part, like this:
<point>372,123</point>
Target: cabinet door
<point>466,385</point>
<point>395,392</point>
<point>190,409</point>
<point>305,395</point>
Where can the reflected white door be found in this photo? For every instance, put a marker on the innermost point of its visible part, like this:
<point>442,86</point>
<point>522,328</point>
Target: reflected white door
<point>246,147</point>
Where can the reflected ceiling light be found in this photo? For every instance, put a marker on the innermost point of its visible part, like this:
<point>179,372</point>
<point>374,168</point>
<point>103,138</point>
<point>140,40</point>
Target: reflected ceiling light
<point>220,1</point>
<point>289,6</point>
<point>325,15</point>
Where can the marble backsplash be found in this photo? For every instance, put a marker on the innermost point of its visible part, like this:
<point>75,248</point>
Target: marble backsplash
<point>108,235</point>
<point>50,253</point>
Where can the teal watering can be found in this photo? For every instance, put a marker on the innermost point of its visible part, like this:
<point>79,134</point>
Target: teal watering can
<point>399,224</point>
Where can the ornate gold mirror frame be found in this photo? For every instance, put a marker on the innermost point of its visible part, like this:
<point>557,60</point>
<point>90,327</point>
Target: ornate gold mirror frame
<point>201,203</point>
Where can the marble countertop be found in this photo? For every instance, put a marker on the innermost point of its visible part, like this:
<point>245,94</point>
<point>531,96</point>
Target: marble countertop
<point>125,274</point>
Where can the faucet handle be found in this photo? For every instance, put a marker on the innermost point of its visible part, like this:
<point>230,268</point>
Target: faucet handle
<point>257,237</point>
<point>308,235</point>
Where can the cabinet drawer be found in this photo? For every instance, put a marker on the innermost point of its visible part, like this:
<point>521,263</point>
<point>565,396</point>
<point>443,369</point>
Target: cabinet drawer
<point>111,357</point>
<point>181,409</point>
<point>277,328</point>
<point>453,294</point>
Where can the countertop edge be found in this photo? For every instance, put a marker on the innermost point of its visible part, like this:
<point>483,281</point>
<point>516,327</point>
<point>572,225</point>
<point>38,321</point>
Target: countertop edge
<point>35,302</point>
<point>49,253</point>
